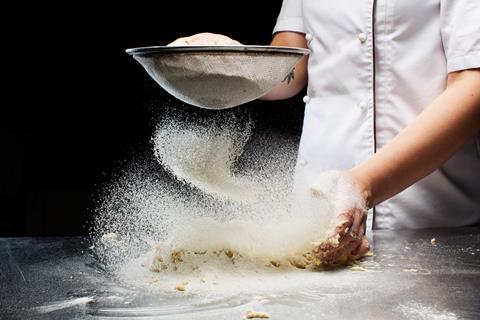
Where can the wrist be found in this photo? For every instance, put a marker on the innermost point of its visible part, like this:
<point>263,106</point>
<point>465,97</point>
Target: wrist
<point>363,184</point>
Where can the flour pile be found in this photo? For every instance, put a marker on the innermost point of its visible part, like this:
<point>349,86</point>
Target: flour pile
<point>230,200</point>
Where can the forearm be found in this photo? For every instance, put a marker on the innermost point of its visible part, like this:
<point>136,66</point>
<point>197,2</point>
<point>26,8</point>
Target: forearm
<point>428,142</point>
<point>294,83</point>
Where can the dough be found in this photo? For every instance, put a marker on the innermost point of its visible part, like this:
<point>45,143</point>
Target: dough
<point>256,315</point>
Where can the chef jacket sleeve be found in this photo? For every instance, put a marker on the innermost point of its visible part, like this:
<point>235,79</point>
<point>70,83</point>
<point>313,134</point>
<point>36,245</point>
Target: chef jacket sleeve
<point>460,30</point>
<point>290,17</point>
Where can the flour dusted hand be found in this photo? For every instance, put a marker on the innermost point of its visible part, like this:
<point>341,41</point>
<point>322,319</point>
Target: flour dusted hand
<point>347,239</point>
<point>205,39</point>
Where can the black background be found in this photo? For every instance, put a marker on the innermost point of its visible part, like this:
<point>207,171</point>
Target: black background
<point>75,106</point>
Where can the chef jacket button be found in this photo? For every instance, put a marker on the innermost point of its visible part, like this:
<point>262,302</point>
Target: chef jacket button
<point>309,37</point>
<point>362,37</point>
<point>363,106</point>
<point>302,162</point>
<point>306,99</point>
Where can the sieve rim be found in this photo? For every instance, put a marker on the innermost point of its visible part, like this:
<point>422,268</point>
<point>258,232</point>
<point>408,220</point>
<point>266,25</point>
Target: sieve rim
<point>223,49</point>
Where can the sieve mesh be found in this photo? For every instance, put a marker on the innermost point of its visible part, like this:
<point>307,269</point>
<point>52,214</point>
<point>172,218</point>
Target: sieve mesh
<point>218,77</point>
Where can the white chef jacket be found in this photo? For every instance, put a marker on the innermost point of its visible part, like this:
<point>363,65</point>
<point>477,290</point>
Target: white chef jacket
<point>374,66</point>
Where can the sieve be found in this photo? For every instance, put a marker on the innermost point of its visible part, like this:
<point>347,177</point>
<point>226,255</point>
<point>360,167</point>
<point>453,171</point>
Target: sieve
<point>218,77</point>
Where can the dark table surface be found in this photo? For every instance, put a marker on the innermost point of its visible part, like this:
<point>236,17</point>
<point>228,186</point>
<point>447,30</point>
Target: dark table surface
<point>408,278</point>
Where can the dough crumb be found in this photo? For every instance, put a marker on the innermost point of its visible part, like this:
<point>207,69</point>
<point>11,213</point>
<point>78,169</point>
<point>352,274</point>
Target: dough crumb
<point>434,242</point>
<point>157,265</point>
<point>176,258</point>
<point>180,287</point>
<point>229,253</point>
<point>412,270</point>
<point>358,268</point>
<point>275,263</point>
<point>298,263</point>
<point>256,315</point>
<point>369,254</point>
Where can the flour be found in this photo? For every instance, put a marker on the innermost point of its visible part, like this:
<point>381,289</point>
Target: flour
<point>230,192</point>
<point>204,157</point>
<point>419,311</point>
<point>64,304</point>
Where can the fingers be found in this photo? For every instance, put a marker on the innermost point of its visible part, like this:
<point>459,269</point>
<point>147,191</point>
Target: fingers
<point>363,225</point>
<point>341,228</point>
<point>350,247</point>
<point>345,222</point>
<point>330,252</point>
<point>362,249</point>
<point>204,39</point>
<point>178,43</point>
<point>353,221</point>
<point>359,218</point>
<point>212,39</point>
